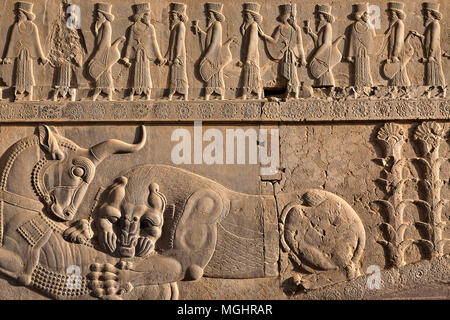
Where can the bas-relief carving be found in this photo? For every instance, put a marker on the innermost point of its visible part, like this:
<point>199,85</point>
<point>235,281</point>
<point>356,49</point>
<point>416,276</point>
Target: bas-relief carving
<point>429,136</point>
<point>144,230</point>
<point>285,47</point>
<point>216,54</point>
<point>23,47</point>
<point>142,48</point>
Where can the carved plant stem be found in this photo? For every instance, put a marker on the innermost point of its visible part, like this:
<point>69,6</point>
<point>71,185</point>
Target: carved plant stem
<point>431,134</point>
<point>393,137</point>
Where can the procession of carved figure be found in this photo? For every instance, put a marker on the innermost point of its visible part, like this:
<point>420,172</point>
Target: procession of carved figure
<point>360,46</point>
<point>24,46</point>
<point>67,52</point>
<point>286,47</point>
<point>431,43</point>
<point>106,54</point>
<point>178,80</point>
<point>216,55</point>
<point>327,54</point>
<point>251,73</point>
<point>142,48</point>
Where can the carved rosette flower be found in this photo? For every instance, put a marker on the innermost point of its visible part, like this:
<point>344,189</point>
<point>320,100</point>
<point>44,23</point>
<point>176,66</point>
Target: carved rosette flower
<point>316,108</point>
<point>161,111</point>
<point>27,111</point>
<point>250,110</point>
<point>5,112</point>
<point>394,137</point>
<point>290,110</point>
<point>430,134</point>
<point>73,111</point>
<point>140,110</point>
<point>338,110</point>
<point>360,109</point>
<point>405,109</point>
<point>426,108</point>
<point>119,111</point>
<point>51,112</point>
<point>184,111</point>
<point>271,110</point>
<point>206,110</point>
<point>96,111</point>
<point>382,109</point>
<point>445,108</point>
<point>353,291</point>
<point>229,110</point>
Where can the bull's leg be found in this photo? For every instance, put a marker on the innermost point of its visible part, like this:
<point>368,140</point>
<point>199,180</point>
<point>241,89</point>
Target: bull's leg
<point>21,268</point>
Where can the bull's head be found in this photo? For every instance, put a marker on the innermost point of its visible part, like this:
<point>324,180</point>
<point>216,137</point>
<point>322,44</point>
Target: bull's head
<point>63,178</point>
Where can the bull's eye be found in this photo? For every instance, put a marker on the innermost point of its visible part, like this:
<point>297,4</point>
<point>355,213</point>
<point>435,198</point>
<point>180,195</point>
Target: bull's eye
<point>113,219</point>
<point>78,172</point>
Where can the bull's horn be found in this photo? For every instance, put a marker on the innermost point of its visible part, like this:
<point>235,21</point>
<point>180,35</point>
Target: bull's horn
<point>113,146</point>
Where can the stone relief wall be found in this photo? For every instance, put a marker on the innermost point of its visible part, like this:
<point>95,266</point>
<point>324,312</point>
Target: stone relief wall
<point>351,98</point>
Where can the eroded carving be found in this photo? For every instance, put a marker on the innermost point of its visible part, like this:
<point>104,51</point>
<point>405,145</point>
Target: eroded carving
<point>141,49</point>
<point>106,53</point>
<point>286,47</point>
<point>361,38</point>
<point>216,55</point>
<point>23,47</point>
<point>178,81</point>
<point>327,54</point>
<point>251,72</point>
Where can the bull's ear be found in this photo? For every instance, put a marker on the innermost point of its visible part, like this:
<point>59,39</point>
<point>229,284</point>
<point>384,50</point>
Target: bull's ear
<point>49,142</point>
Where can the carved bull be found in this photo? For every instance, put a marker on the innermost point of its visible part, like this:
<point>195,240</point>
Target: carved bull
<point>44,178</point>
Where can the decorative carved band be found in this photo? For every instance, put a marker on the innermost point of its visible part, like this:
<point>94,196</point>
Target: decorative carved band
<point>293,110</point>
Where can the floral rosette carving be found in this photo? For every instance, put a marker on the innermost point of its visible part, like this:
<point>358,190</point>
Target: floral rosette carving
<point>426,108</point>
<point>96,111</point>
<point>51,112</point>
<point>361,109</point>
<point>229,110</point>
<point>250,110</point>
<point>382,108</point>
<point>405,108</point>
<point>271,110</point>
<point>206,110</point>
<point>184,111</point>
<point>140,110</point>
<point>161,111</point>
<point>444,107</point>
<point>289,110</point>
<point>27,111</point>
<point>119,111</point>
<point>74,111</point>
<point>338,110</point>
<point>5,112</point>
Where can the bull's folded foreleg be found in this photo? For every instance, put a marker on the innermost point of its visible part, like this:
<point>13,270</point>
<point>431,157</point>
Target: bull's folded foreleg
<point>20,266</point>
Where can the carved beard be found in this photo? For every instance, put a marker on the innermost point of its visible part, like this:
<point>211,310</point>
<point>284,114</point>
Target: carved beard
<point>244,27</point>
<point>321,24</point>
<point>146,22</point>
<point>97,27</point>
<point>172,23</point>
